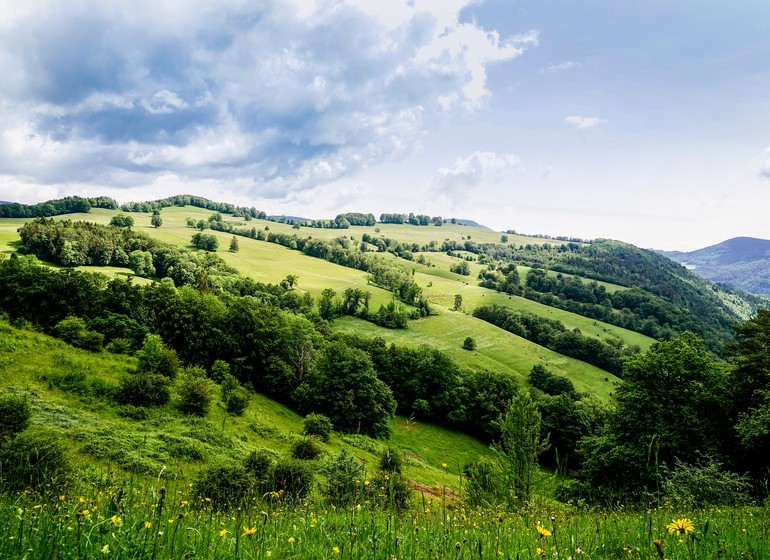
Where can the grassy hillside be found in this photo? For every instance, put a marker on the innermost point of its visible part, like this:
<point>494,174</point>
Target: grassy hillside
<point>69,393</point>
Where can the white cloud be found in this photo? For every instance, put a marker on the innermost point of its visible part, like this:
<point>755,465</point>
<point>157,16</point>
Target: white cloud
<point>289,95</point>
<point>560,67</point>
<point>480,168</point>
<point>583,122</point>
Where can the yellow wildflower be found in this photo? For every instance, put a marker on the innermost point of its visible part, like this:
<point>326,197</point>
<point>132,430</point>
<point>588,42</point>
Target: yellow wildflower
<point>117,521</point>
<point>542,531</point>
<point>248,532</point>
<point>336,549</point>
<point>106,549</point>
<point>147,524</point>
<point>85,513</point>
<point>291,539</point>
<point>681,526</point>
<point>224,532</point>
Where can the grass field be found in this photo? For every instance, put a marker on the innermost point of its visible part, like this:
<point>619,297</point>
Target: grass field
<point>59,382</point>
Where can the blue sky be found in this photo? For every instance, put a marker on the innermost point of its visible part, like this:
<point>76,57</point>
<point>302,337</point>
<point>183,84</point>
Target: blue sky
<point>647,121</point>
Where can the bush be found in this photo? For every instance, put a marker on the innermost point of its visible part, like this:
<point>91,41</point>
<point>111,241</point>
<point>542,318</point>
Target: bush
<point>484,486</point>
<point>306,449</point>
<point>14,416</point>
<point>226,485</point>
<point>391,461</point>
<point>292,480</point>
<point>154,357</point>
<point>259,466</point>
<point>120,346</point>
<point>705,484</point>
<point>390,490</point>
<point>237,401</point>
<point>344,479</point>
<point>33,461</point>
<point>219,371</point>
<point>194,392</point>
<point>143,389</point>
<point>317,425</point>
<point>469,343</point>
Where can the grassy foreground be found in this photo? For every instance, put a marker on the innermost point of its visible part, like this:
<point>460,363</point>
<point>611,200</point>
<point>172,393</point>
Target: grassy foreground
<point>125,520</point>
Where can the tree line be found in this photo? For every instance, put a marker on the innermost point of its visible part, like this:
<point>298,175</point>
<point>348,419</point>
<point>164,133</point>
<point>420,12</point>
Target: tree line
<point>67,205</point>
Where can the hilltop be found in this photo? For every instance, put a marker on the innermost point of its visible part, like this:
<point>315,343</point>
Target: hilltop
<point>741,262</point>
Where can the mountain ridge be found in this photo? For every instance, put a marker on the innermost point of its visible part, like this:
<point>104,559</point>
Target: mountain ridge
<point>741,262</point>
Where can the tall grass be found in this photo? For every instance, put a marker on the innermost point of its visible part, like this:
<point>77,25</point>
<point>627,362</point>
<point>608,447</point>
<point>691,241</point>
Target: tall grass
<point>162,519</point>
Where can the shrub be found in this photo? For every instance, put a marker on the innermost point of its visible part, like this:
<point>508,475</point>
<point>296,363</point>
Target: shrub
<point>155,357</point>
<point>705,484</point>
<point>119,346</point>
<point>194,392</point>
<point>143,389</point>
<point>317,425</point>
<point>469,343</point>
<point>237,401</point>
<point>226,485</point>
<point>485,486</point>
<point>219,371</point>
<point>390,490</point>
<point>306,448</point>
<point>33,461</point>
<point>72,330</point>
<point>14,416</point>
<point>259,466</point>
<point>292,479</point>
<point>391,461</point>
<point>344,479</point>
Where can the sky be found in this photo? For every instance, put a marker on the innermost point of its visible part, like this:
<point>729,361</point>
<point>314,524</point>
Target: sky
<point>644,121</point>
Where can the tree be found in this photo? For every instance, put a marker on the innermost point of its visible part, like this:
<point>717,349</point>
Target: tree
<point>458,302</point>
<point>14,416</point>
<point>122,220</point>
<point>326,308</point>
<point>291,280</point>
<point>750,389</point>
<point>345,387</point>
<point>520,445</point>
<point>156,220</point>
<point>469,343</point>
<point>141,263</point>
<point>234,247</point>
<point>669,404</point>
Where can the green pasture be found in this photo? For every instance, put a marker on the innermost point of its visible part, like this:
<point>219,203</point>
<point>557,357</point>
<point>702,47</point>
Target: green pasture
<point>496,349</point>
<point>61,383</point>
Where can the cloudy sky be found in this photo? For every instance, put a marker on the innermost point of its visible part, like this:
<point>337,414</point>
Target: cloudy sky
<point>643,121</point>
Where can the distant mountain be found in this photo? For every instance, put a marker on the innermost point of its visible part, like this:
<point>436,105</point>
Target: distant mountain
<point>742,262</point>
<point>5,202</point>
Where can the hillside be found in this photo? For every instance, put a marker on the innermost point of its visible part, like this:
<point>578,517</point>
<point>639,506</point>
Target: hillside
<point>741,262</point>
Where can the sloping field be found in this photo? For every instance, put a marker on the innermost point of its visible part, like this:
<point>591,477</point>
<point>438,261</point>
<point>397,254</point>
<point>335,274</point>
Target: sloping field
<point>61,382</point>
<point>496,349</point>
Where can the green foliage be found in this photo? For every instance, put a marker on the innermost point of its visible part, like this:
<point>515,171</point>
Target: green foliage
<point>547,382</point>
<point>141,263</point>
<point>122,220</point>
<point>156,221</point>
<point>143,389</point>
<point>259,465</point>
<point>391,461</point>
<point>33,461</point>
<point>669,405</point>
<point>317,425</point>
<point>155,357</point>
<point>306,448</point>
<point>72,330</point>
<point>344,479</point>
<point>224,486</point>
<point>292,479</point>
<point>345,388</point>
<point>194,390</point>
<point>14,416</point>
<point>469,343</point>
<point>484,484</point>
<point>520,445</point>
<point>234,246</point>
<point>703,484</point>
<point>205,241</point>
